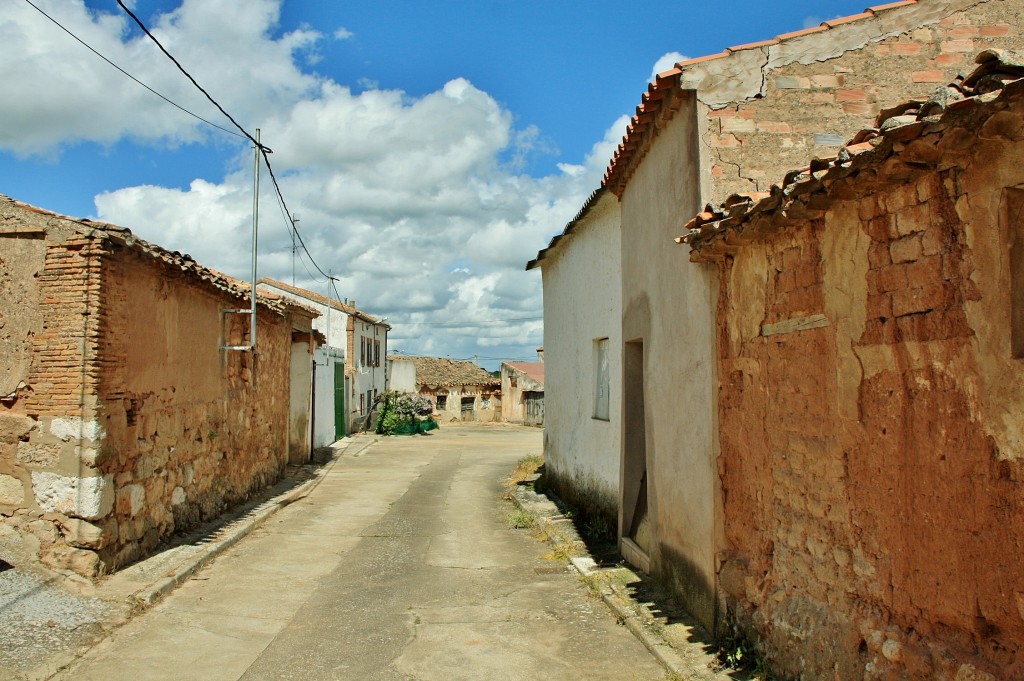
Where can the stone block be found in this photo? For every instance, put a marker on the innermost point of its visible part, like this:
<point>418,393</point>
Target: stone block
<point>13,427</point>
<point>12,490</point>
<point>82,534</point>
<point>957,46</point>
<point>38,455</point>
<point>86,497</point>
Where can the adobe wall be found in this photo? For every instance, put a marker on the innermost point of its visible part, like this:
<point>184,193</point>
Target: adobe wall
<point>190,429</point>
<point>583,292</point>
<point>872,449</point>
<point>776,106</point>
<point>486,403</point>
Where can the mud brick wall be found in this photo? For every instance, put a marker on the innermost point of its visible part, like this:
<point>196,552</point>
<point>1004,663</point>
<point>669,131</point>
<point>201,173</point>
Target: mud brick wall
<point>121,419</point>
<point>872,458</point>
<point>811,109</point>
<point>190,429</point>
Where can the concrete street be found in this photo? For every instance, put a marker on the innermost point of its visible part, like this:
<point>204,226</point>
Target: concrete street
<point>400,564</point>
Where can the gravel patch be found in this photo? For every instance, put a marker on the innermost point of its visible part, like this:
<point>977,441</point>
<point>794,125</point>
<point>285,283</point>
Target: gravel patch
<point>39,621</point>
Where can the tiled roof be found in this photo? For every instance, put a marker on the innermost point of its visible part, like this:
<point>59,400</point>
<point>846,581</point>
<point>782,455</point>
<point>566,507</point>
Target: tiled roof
<point>664,95</point>
<point>908,138</point>
<point>569,228</point>
<point>320,299</point>
<point>179,261</point>
<point>437,372</point>
<point>534,370</point>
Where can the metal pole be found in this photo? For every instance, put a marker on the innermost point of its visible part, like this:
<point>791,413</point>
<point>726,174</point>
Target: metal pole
<point>255,230</point>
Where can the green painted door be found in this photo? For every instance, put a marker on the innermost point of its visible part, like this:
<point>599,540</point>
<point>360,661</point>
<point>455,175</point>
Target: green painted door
<point>340,430</point>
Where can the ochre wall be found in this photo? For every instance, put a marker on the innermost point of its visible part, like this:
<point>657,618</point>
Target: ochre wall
<point>872,463</point>
<point>191,429</point>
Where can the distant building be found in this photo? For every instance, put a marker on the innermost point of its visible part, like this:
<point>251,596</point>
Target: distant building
<point>460,391</point>
<point>522,393</point>
<point>350,369</point>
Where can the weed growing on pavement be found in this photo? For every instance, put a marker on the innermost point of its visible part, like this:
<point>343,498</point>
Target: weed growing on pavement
<point>521,520</point>
<point>526,468</point>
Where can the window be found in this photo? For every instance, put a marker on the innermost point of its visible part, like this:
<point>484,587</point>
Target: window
<point>376,353</point>
<point>601,387</point>
<point>362,351</point>
<point>442,402</point>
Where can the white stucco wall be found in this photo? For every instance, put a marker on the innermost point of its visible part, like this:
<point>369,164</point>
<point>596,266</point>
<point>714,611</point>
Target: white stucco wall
<point>326,359</point>
<point>583,303</point>
<point>402,375</point>
<point>669,303</point>
<point>299,403</point>
<point>367,377</point>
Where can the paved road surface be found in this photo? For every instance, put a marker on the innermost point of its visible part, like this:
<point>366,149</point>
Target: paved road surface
<point>400,565</point>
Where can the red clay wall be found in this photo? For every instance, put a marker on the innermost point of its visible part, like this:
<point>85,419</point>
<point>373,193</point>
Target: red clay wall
<point>871,460</point>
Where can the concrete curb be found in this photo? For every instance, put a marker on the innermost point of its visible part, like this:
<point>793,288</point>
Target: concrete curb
<point>182,572</point>
<point>615,596</point>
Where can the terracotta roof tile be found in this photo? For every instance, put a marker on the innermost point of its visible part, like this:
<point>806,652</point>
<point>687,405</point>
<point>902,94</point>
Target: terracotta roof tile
<point>751,46</point>
<point>698,60</point>
<point>534,370</point>
<point>718,230</point>
<point>803,31</point>
<point>320,299</point>
<point>182,262</point>
<point>832,23</point>
<point>891,5</point>
<point>442,372</point>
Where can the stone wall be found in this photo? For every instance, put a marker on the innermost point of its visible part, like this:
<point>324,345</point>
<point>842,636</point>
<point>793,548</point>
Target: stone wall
<point>872,455</point>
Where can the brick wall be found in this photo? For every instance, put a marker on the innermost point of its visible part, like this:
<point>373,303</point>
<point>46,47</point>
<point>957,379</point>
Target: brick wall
<point>808,110</point>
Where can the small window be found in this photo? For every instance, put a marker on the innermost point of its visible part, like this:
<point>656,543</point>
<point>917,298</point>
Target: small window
<point>442,402</point>
<point>601,387</point>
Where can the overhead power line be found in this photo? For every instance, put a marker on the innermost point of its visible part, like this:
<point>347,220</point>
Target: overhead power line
<point>161,96</point>
<point>263,150</point>
<point>473,322</point>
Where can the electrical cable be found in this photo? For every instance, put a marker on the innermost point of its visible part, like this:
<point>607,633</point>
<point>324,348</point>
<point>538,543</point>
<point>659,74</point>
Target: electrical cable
<point>94,51</point>
<point>263,149</point>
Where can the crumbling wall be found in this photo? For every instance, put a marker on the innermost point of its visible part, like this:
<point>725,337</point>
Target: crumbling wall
<point>777,104</point>
<point>871,455</point>
<point>191,429</point>
<point>50,481</point>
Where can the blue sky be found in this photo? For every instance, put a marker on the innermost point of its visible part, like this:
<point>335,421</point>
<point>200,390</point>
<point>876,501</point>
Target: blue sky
<point>429,149</point>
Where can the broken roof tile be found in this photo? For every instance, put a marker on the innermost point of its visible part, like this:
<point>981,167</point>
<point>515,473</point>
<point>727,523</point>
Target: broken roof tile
<point>885,148</point>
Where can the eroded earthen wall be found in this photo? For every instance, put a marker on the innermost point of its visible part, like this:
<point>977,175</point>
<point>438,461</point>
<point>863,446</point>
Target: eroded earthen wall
<point>191,429</point>
<point>872,464</point>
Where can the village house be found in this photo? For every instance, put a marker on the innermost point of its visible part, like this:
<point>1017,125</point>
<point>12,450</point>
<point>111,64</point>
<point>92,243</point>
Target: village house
<point>706,129</point>
<point>460,391</point>
<point>871,326</point>
<point>124,414</point>
<point>346,382</point>
<point>583,387</point>
<point>522,393</point>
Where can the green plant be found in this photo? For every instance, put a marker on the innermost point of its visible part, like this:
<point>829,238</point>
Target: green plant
<point>520,519</point>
